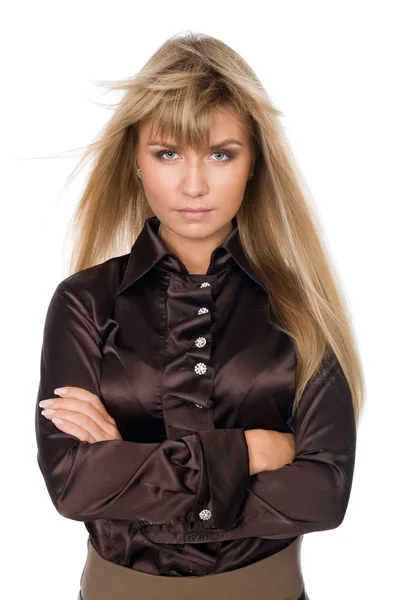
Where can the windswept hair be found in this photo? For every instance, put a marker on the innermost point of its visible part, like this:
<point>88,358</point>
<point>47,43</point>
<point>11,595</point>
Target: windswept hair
<point>175,91</point>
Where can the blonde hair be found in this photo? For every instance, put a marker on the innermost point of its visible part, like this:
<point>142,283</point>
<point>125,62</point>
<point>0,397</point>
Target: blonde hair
<point>176,89</point>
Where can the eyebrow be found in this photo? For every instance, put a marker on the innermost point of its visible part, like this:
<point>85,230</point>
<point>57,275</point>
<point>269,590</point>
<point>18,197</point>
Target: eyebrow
<point>226,142</point>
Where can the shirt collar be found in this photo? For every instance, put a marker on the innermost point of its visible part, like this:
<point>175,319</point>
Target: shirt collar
<point>149,250</point>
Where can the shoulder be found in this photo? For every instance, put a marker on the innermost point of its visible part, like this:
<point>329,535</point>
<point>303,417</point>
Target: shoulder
<point>98,284</point>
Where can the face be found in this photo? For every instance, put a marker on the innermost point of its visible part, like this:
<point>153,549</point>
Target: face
<point>214,178</point>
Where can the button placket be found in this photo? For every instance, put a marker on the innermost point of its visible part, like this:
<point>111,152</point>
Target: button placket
<point>201,368</point>
<point>204,514</point>
<point>187,344</point>
<point>189,357</point>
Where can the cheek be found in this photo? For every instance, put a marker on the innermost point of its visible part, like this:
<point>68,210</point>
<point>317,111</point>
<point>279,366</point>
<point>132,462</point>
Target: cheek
<point>233,185</point>
<point>233,175</point>
<point>158,187</point>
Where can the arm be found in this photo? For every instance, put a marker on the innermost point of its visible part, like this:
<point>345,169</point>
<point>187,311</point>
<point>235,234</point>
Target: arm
<point>312,492</point>
<point>168,482</point>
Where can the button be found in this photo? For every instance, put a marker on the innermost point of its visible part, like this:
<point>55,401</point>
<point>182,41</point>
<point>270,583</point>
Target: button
<point>203,311</point>
<point>205,284</point>
<point>200,342</point>
<point>200,368</point>
<point>199,405</point>
<point>205,514</point>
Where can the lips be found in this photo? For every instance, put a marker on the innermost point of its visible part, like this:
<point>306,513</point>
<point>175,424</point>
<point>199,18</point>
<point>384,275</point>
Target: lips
<point>196,214</point>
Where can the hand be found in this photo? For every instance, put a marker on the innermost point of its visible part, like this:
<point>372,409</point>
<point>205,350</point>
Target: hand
<point>83,414</point>
<point>269,449</point>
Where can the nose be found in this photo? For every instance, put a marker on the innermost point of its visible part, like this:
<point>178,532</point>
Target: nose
<point>194,180</point>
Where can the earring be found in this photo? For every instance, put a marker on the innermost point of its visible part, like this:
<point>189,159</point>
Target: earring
<point>250,176</point>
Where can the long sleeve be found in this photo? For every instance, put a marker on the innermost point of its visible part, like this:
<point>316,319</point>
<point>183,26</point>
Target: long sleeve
<point>311,493</point>
<point>168,482</point>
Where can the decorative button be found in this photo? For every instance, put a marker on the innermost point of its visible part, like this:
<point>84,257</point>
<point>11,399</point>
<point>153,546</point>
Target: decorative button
<point>205,284</point>
<point>200,342</point>
<point>199,405</point>
<point>200,368</point>
<point>203,311</point>
<point>205,514</point>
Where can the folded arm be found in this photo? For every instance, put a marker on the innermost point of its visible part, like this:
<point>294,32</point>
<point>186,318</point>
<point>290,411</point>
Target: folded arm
<point>311,493</point>
<point>168,482</point>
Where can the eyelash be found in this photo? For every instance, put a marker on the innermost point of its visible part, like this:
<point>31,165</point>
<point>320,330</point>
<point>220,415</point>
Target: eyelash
<point>159,155</point>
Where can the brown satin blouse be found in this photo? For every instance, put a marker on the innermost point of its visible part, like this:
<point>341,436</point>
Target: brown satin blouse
<point>184,364</point>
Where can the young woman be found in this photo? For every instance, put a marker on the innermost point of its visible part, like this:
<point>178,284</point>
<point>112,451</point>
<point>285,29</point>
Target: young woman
<point>201,390</point>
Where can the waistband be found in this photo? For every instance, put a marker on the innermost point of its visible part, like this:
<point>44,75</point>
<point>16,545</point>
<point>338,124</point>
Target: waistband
<point>277,577</point>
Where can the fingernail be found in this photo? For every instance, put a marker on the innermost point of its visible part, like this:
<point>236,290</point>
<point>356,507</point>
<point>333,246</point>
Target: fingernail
<point>48,411</point>
<point>59,391</point>
<point>56,421</point>
<point>44,403</point>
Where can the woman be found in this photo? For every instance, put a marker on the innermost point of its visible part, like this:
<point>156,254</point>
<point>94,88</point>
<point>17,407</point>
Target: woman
<point>205,386</point>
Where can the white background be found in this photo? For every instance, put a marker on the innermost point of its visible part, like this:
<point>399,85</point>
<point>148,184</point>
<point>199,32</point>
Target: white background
<point>333,68</point>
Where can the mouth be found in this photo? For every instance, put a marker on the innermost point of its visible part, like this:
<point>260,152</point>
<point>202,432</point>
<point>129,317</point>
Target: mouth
<point>195,214</point>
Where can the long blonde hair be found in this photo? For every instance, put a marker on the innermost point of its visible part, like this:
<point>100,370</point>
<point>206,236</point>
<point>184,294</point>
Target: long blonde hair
<point>176,89</point>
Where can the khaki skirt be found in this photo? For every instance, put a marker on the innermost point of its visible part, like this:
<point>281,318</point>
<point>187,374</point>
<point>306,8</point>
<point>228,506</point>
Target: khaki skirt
<point>277,577</point>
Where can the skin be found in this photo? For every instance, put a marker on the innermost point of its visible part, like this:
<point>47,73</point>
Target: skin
<point>215,178</point>
<point>83,415</point>
<point>269,449</point>
<point>183,177</point>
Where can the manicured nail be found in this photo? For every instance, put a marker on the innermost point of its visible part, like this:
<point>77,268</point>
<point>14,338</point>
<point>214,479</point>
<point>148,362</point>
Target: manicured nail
<point>44,403</point>
<point>59,391</point>
<point>48,411</point>
<point>57,421</point>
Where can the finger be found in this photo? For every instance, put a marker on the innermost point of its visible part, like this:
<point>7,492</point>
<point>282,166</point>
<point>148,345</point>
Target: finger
<point>90,400</point>
<point>84,422</point>
<point>73,429</point>
<point>86,396</point>
<point>84,408</point>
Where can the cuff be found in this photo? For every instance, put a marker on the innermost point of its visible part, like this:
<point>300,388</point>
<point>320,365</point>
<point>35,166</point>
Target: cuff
<point>224,477</point>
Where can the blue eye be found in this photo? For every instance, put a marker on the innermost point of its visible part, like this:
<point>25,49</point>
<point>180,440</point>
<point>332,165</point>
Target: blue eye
<point>228,154</point>
<point>161,153</point>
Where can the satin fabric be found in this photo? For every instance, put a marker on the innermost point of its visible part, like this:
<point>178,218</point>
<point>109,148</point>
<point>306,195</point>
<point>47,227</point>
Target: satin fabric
<point>185,364</point>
